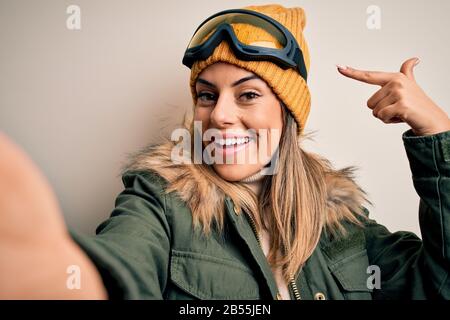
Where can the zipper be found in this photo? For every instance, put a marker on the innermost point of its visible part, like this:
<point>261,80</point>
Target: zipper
<point>253,225</point>
<point>295,289</point>
<point>292,283</point>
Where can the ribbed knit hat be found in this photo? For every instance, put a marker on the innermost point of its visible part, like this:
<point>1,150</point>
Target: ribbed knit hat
<point>287,84</point>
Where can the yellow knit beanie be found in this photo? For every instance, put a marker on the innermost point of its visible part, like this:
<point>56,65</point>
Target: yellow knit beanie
<point>287,84</point>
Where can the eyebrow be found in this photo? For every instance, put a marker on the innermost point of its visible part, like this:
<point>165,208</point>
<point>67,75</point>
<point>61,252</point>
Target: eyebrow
<point>236,83</point>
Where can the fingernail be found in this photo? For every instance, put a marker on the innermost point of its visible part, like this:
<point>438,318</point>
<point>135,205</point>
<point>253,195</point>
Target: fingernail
<point>417,62</point>
<point>341,67</point>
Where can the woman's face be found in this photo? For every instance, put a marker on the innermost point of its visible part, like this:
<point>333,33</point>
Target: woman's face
<point>236,103</point>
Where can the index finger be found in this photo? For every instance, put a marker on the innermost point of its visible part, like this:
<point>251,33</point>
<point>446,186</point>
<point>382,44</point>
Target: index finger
<point>370,77</point>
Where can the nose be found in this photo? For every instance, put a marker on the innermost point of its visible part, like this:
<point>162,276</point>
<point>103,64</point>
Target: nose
<point>225,113</point>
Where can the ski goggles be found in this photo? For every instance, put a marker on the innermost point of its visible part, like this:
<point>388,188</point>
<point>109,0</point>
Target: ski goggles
<point>281,48</point>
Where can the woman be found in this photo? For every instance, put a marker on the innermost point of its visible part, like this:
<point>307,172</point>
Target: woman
<point>286,226</point>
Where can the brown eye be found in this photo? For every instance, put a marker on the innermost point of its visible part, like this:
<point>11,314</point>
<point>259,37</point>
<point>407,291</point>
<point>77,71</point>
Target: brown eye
<point>206,97</point>
<point>250,95</point>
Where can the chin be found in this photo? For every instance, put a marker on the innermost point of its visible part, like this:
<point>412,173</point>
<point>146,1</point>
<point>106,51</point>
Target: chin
<point>235,172</point>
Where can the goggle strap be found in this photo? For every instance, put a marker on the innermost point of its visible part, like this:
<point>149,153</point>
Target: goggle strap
<point>298,56</point>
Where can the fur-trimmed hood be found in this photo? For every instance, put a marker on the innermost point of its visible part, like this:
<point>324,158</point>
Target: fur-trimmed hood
<point>344,197</point>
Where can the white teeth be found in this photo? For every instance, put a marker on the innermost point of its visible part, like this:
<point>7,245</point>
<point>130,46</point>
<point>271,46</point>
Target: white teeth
<point>232,141</point>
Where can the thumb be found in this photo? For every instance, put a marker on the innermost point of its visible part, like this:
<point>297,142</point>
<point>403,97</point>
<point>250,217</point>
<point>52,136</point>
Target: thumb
<point>408,67</point>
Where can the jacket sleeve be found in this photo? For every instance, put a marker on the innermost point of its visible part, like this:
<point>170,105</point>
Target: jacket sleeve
<point>412,268</point>
<point>131,248</point>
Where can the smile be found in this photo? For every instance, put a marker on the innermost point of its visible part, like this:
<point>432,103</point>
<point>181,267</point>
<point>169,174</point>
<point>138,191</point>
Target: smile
<point>232,141</point>
<point>231,145</point>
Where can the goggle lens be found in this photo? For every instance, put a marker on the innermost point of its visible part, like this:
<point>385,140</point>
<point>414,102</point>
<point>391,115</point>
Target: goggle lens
<point>272,36</point>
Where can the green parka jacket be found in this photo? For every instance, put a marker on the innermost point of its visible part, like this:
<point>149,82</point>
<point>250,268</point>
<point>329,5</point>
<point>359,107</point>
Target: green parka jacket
<point>148,248</point>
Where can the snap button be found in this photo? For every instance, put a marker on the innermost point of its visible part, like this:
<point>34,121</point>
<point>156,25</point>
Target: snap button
<point>319,296</point>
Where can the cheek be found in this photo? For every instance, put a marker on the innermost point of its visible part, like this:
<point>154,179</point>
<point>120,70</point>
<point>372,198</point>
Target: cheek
<point>268,122</point>
<point>268,116</point>
<point>258,121</point>
<point>203,115</point>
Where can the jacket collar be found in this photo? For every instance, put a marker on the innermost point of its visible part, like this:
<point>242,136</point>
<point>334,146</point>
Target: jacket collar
<point>344,196</point>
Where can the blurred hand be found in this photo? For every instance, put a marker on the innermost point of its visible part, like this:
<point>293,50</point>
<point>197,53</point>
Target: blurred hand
<point>35,247</point>
<point>401,99</point>
<point>29,210</point>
